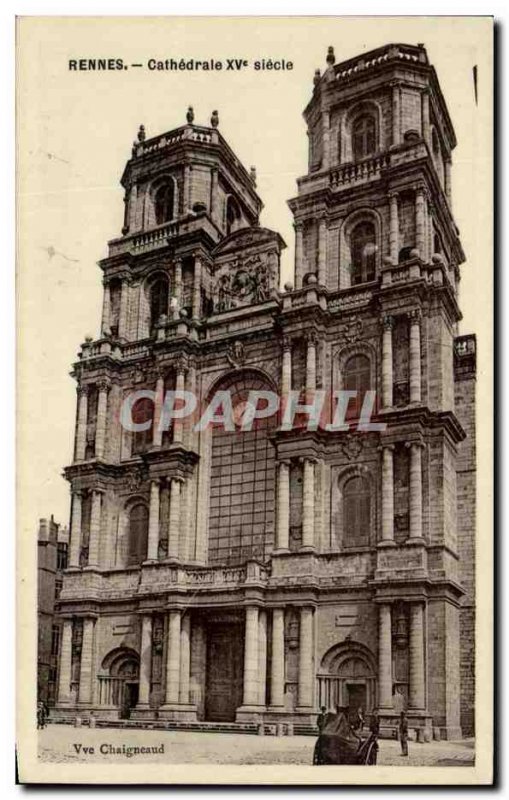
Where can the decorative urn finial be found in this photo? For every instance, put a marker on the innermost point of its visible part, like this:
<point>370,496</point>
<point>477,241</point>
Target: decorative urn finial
<point>141,133</point>
<point>316,77</point>
<point>331,58</point>
<point>214,119</point>
<point>190,115</point>
<point>252,175</point>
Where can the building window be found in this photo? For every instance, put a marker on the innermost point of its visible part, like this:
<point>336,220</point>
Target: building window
<point>434,142</point>
<point>233,215</point>
<point>62,548</point>
<point>138,534</point>
<point>158,300</point>
<point>356,512</point>
<point>363,137</point>
<point>55,640</point>
<point>163,203</point>
<point>58,588</point>
<point>142,411</point>
<point>242,483</point>
<point>115,295</point>
<point>357,378</point>
<point>363,253</point>
<point>404,254</point>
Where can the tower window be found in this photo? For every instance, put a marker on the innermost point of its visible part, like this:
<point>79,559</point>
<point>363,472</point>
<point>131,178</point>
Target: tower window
<point>143,411</point>
<point>363,253</point>
<point>357,378</point>
<point>158,300</point>
<point>164,202</point>
<point>363,137</point>
<point>356,512</point>
<point>434,142</point>
<point>138,534</point>
<point>233,215</point>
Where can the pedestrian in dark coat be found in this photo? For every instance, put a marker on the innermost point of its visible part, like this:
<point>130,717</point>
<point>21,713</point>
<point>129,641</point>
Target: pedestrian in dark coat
<point>403,733</point>
<point>322,716</point>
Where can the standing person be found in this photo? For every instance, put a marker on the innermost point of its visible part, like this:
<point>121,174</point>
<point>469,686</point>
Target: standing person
<point>403,733</point>
<point>320,721</point>
<point>374,725</point>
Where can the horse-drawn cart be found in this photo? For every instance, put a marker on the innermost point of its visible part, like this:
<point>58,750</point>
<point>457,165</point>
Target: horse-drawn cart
<point>339,744</point>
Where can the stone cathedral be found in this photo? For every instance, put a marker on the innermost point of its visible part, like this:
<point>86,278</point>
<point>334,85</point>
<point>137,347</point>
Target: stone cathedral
<point>246,578</point>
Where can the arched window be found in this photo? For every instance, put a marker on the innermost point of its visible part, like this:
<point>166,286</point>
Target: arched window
<point>363,137</point>
<point>233,215</point>
<point>158,300</point>
<point>138,534</point>
<point>163,202</point>
<point>142,411</point>
<point>363,253</point>
<point>115,294</point>
<point>357,378</point>
<point>356,512</point>
<point>404,254</point>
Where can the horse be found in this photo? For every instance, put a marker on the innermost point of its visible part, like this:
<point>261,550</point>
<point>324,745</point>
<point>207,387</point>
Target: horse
<point>339,744</point>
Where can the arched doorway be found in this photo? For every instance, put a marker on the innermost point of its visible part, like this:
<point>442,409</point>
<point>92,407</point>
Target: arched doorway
<point>347,677</point>
<point>119,680</point>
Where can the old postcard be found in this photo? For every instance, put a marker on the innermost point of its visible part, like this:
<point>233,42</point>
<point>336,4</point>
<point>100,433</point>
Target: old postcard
<point>255,317</point>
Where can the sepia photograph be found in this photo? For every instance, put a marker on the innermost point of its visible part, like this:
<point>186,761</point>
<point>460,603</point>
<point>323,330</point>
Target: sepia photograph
<point>255,535</point>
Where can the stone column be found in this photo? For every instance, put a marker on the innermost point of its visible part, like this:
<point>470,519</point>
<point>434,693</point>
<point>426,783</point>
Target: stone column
<point>387,367</point>
<point>384,657</point>
<point>178,424</point>
<point>286,371</point>
<point>416,693</point>
<point>173,659</point>
<point>414,347</point>
<point>388,493</point>
<point>75,542</point>
<point>185,658</point>
<point>420,223</point>
<point>157,434</point>
<point>325,140</point>
<point>426,129</point>
<point>393,227</point>
<point>214,195</point>
<point>251,657</point>
<point>415,490</point>
<point>308,504</point>
<point>299,255</point>
<point>447,179</point>
<point>102,411</point>
<point>322,251</point>
<point>95,528</point>
<point>178,284</point>
<point>145,661</point>
<point>396,114</point>
<point>196,310</point>
<point>311,364</point>
<point>174,518</point>
<point>262,656</point>
<point>283,506</point>
<point>306,671</point>
<point>277,674</point>
<point>87,660</point>
<point>124,306</point>
<point>106,310</point>
<point>64,675</point>
<point>81,427</point>
<point>153,521</point>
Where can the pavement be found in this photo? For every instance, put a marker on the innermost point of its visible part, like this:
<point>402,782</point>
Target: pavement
<point>65,743</point>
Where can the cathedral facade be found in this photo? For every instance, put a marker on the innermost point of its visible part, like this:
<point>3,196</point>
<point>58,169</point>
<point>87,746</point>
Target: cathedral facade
<point>230,576</point>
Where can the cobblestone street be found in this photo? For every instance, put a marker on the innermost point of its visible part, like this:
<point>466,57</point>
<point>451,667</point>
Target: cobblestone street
<point>61,743</point>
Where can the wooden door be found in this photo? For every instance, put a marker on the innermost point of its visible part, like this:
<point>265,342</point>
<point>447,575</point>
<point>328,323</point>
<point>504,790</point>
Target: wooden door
<point>225,657</point>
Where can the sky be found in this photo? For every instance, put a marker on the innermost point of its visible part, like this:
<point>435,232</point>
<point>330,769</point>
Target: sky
<point>75,132</point>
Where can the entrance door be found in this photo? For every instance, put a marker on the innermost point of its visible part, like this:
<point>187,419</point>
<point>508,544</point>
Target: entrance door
<point>225,656</point>
<point>357,696</point>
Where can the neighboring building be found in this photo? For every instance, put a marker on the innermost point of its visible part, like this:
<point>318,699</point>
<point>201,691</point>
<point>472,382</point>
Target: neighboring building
<point>240,576</point>
<point>52,544</point>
